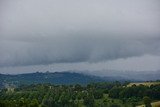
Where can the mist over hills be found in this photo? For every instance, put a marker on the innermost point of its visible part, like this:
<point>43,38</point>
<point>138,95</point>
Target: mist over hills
<point>133,75</point>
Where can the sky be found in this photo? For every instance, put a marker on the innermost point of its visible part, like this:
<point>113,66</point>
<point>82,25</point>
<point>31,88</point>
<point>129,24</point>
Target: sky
<point>79,35</point>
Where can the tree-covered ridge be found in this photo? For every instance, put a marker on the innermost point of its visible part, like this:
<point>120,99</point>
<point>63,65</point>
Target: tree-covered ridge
<point>103,94</point>
<point>53,78</point>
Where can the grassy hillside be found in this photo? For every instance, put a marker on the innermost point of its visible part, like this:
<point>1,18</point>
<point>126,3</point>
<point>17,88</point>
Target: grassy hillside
<point>154,104</point>
<point>143,83</point>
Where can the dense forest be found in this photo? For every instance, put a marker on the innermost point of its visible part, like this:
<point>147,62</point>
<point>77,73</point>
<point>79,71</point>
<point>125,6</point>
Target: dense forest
<point>102,94</point>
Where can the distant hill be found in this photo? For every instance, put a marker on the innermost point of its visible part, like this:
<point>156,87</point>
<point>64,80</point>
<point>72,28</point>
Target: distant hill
<point>53,78</point>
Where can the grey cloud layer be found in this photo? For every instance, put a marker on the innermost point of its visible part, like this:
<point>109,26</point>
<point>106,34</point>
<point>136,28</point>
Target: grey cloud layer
<point>74,49</point>
<point>58,31</point>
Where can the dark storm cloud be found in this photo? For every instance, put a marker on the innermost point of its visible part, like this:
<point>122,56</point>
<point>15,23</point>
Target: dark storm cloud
<point>37,32</point>
<point>74,49</point>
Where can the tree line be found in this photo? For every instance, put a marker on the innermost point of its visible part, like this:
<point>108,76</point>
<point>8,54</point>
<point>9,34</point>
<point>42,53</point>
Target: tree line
<point>101,94</point>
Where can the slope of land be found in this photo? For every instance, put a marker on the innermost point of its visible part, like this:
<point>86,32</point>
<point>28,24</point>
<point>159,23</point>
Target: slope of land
<point>53,78</point>
<point>143,83</point>
<point>154,104</point>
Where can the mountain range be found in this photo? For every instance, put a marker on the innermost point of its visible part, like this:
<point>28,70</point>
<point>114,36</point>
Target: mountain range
<point>69,77</point>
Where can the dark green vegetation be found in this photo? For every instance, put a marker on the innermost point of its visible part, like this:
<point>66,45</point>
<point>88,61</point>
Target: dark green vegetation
<point>102,94</point>
<point>53,78</point>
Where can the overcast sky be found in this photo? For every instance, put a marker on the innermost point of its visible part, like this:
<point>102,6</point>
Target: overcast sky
<point>92,35</point>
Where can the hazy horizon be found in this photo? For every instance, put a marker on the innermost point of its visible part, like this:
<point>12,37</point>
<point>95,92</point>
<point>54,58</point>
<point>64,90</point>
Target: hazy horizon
<point>60,35</point>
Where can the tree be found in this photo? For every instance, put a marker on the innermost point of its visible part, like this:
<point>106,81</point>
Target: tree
<point>114,105</point>
<point>79,95</point>
<point>34,103</point>
<point>2,104</point>
<point>89,100</point>
<point>73,96</point>
<point>114,92</point>
<point>64,99</point>
<point>147,101</point>
<point>23,102</point>
<point>78,87</point>
<point>98,94</point>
